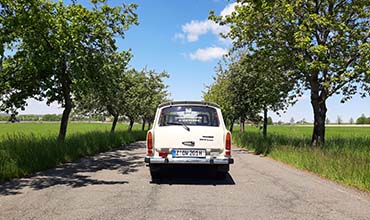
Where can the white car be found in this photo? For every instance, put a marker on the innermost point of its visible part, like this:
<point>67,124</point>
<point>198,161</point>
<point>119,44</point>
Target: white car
<point>189,132</point>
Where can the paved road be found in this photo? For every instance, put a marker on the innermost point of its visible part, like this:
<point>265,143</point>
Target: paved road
<point>117,185</point>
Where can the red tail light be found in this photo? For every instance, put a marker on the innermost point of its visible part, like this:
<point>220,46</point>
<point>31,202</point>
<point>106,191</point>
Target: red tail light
<point>163,154</point>
<point>228,144</point>
<point>228,141</point>
<point>149,143</point>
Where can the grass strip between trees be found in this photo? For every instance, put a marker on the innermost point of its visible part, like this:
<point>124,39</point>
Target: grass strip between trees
<point>24,154</point>
<point>342,159</point>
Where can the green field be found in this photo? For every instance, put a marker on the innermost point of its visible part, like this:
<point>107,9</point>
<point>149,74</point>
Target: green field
<point>26,148</point>
<point>51,129</point>
<point>344,158</point>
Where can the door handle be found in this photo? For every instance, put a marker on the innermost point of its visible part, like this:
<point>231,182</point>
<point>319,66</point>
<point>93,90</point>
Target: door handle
<point>188,143</point>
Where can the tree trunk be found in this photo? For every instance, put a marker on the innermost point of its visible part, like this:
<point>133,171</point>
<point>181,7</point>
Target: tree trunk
<point>131,125</point>
<point>66,83</point>
<point>318,102</point>
<point>264,131</point>
<point>232,125</point>
<point>115,120</point>
<point>64,122</point>
<point>115,115</point>
<point>241,125</point>
<point>143,126</point>
<point>318,136</point>
<point>150,125</point>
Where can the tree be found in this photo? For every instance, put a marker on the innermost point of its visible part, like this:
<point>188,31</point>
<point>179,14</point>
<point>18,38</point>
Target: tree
<point>219,93</point>
<point>121,92</point>
<point>59,45</point>
<point>339,120</point>
<point>230,93</point>
<point>303,121</point>
<point>323,45</point>
<point>146,92</point>
<point>264,91</point>
<point>154,94</point>
<point>13,118</point>
<point>106,93</point>
<point>292,121</point>
<point>327,121</point>
<point>361,120</point>
<point>245,92</point>
<point>351,121</point>
<point>269,121</point>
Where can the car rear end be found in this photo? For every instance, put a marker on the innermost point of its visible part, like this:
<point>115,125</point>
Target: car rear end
<point>189,133</point>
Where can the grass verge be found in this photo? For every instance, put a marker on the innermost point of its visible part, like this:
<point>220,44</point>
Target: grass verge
<point>344,158</point>
<point>23,154</point>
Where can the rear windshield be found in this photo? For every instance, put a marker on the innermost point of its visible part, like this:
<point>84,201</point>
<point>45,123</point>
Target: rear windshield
<point>189,115</point>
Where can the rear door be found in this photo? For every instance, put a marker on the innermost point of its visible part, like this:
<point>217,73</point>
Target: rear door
<point>189,127</point>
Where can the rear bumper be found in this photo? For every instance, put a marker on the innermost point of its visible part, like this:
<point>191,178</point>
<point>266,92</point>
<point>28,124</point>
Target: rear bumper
<point>155,160</point>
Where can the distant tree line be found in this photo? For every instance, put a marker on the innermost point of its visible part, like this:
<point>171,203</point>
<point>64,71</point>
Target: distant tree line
<point>74,117</point>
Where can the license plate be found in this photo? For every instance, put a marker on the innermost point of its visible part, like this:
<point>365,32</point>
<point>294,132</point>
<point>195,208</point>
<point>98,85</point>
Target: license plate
<point>188,153</point>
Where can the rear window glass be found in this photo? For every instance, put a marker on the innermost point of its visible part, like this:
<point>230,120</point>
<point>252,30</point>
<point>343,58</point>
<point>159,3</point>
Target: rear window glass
<point>189,115</point>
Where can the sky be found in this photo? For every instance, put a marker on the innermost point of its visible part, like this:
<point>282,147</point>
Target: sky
<point>175,36</point>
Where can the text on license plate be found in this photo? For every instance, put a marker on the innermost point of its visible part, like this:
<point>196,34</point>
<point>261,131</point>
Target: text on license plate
<point>188,153</point>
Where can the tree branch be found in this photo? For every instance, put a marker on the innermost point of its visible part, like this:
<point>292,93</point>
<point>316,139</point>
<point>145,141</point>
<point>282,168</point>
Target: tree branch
<point>349,62</point>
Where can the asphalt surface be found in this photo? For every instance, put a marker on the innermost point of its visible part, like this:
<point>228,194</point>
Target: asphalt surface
<point>117,185</point>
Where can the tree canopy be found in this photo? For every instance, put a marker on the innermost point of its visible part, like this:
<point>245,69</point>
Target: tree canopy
<point>55,50</point>
<point>322,45</point>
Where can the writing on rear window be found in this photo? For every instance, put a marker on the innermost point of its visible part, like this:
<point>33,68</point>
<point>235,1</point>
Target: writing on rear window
<point>189,115</point>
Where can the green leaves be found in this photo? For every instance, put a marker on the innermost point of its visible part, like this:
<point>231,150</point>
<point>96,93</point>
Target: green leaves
<point>51,33</point>
<point>323,45</point>
<point>121,92</point>
<point>60,50</point>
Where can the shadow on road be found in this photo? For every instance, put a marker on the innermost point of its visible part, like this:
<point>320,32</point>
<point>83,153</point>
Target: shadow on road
<point>191,176</point>
<point>78,174</point>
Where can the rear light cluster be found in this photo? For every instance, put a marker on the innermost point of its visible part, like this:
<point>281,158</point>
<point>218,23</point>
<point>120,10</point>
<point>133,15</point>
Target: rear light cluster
<point>149,143</point>
<point>228,145</point>
<point>163,154</point>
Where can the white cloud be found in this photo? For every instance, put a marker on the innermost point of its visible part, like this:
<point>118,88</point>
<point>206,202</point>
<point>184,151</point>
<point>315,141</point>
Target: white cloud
<point>195,28</point>
<point>229,9</point>
<point>208,53</point>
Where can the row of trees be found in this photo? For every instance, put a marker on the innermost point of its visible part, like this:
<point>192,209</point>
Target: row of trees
<point>282,48</point>
<point>48,117</point>
<point>30,117</point>
<point>132,94</point>
<point>363,120</point>
<point>67,53</point>
<point>243,90</point>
